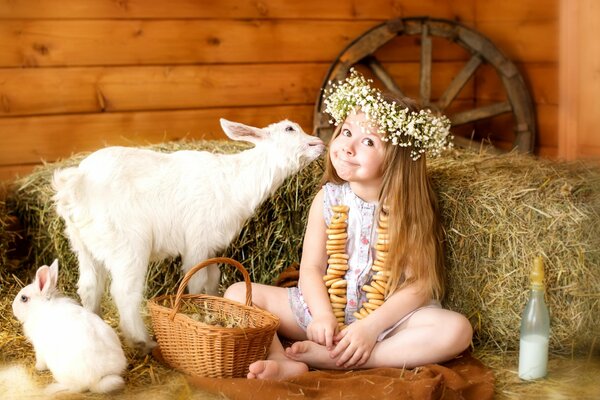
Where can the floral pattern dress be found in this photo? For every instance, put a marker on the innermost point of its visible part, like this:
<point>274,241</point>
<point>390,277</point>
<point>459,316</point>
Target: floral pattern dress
<point>360,246</point>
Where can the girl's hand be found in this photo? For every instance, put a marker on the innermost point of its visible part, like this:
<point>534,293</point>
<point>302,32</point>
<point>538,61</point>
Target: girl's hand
<point>322,329</point>
<point>354,344</point>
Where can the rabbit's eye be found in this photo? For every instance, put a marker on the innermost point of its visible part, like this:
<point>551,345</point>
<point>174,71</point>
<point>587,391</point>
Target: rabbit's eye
<point>290,128</point>
<point>24,298</point>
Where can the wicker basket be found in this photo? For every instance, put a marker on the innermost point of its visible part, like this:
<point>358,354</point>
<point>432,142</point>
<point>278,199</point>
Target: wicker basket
<point>200,349</point>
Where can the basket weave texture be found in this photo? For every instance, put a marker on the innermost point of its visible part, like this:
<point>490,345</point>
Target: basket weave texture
<point>200,349</point>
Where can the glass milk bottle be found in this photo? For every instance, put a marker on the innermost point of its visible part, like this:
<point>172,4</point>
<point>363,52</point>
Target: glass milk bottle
<point>535,328</point>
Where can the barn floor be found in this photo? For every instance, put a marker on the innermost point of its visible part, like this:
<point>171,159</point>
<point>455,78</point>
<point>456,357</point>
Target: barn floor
<point>569,377</point>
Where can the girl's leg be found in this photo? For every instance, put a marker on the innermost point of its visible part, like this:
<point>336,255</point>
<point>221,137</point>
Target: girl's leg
<point>430,335</point>
<point>275,300</point>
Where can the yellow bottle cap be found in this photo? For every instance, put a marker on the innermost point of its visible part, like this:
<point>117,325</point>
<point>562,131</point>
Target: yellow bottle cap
<point>537,273</point>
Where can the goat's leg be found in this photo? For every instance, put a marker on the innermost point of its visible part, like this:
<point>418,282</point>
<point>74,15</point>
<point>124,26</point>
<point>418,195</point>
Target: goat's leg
<point>127,290</point>
<point>214,278</point>
<point>92,278</point>
<point>204,281</point>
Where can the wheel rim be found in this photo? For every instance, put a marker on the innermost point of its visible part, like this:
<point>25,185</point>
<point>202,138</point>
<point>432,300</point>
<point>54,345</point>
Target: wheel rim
<point>482,50</point>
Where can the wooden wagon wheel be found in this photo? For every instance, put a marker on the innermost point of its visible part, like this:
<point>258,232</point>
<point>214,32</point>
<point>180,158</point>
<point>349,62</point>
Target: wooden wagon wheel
<point>361,50</point>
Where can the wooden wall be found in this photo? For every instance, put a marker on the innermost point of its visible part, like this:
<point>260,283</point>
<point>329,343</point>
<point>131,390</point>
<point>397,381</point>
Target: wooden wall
<point>84,74</point>
<point>579,79</point>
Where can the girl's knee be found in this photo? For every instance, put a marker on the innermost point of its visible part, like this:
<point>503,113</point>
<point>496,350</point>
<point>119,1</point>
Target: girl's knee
<point>461,333</point>
<point>236,292</point>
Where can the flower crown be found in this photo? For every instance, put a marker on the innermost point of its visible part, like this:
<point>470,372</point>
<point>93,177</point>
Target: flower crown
<point>422,130</point>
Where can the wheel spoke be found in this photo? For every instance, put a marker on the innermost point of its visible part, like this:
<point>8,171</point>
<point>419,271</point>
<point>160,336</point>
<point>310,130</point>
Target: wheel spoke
<point>380,72</point>
<point>425,84</point>
<point>459,82</point>
<point>480,113</point>
<point>364,46</point>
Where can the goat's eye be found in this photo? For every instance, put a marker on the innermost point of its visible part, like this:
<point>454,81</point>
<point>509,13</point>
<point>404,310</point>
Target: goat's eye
<point>24,298</point>
<point>290,128</point>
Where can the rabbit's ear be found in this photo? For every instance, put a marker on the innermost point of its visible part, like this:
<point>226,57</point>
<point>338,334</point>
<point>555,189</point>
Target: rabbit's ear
<point>46,278</point>
<point>54,269</point>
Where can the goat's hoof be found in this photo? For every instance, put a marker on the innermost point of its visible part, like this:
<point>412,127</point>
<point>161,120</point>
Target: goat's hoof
<point>142,348</point>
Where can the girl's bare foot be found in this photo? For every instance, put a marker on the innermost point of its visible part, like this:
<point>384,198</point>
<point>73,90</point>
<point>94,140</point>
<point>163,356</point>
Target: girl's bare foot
<point>280,368</point>
<point>311,353</point>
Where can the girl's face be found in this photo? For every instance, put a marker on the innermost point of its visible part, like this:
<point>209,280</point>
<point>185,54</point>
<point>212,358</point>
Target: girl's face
<point>357,152</point>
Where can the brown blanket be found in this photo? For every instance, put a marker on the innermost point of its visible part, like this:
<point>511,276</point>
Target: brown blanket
<point>465,377</point>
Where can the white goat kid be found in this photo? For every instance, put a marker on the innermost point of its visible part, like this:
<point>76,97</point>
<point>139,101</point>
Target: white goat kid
<point>124,207</point>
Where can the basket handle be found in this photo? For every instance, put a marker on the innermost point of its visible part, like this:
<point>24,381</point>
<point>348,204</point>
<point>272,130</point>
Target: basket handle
<point>215,260</point>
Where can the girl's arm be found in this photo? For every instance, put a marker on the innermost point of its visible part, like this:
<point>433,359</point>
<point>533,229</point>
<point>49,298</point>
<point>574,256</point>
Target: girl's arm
<point>355,343</point>
<point>397,306</point>
<point>312,268</point>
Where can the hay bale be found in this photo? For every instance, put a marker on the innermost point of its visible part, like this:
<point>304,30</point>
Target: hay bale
<point>498,212</point>
<point>7,241</point>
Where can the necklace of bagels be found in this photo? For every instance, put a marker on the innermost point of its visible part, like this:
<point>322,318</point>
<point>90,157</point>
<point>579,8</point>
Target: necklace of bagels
<point>337,265</point>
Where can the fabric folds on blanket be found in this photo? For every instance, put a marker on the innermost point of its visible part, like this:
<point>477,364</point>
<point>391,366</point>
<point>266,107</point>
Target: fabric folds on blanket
<point>464,377</point>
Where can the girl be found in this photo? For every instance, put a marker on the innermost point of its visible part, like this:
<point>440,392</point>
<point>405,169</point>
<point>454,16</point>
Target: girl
<point>375,223</point>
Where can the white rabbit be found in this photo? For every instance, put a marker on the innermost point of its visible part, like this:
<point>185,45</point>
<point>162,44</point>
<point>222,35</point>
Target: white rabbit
<point>81,350</point>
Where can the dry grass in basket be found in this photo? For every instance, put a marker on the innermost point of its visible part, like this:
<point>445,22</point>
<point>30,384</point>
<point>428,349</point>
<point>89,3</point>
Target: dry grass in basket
<point>498,213</point>
<point>199,311</point>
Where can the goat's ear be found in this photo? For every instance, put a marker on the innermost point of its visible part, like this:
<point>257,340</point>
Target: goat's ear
<point>237,131</point>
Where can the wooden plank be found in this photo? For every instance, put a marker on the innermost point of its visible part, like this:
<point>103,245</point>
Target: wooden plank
<point>98,9</point>
<point>31,139</point>
<point>134,42</point>
<point>71,90</point>
<point>9,173</point>
<point>533,41</point>
<point>547,123</point>
<point>548,152</point>
<point>524,11</point>
<point>234,9</point>
<point>501,127</point>
<point>541,78</point>
<point>36,91</point>
<point>588,138</point>
<point>589,152</point>
<point>569,80</point>
<point>45,43</point>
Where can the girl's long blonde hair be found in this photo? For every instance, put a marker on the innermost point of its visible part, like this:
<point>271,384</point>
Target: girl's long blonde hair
<point>416,252</point>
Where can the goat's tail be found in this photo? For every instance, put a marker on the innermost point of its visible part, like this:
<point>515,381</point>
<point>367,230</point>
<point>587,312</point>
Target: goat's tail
<point>66,184</point>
